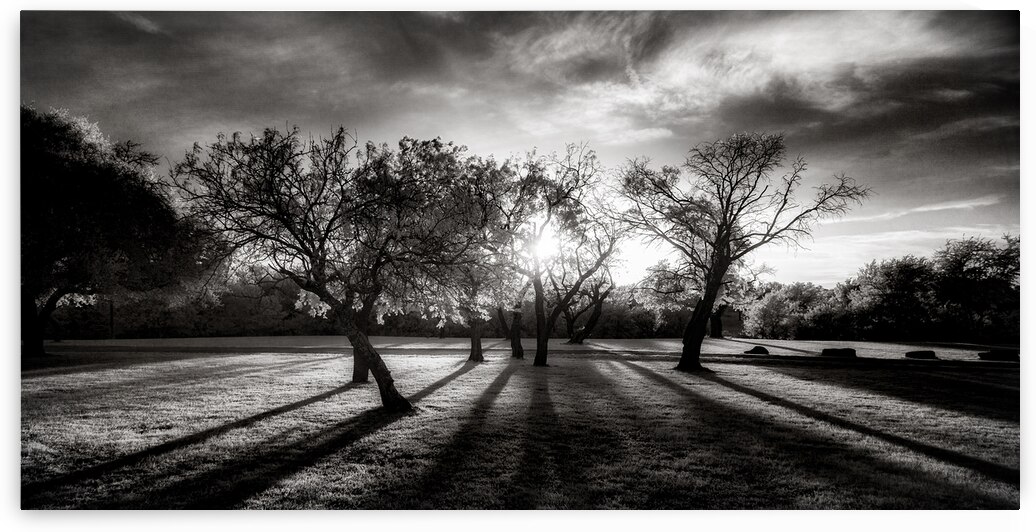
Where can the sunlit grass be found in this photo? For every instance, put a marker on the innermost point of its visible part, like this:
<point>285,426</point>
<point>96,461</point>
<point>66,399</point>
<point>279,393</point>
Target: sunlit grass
<point>611,430</point>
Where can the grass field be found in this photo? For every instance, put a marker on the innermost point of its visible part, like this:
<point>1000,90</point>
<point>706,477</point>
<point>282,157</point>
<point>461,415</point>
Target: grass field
<point>608,426</point>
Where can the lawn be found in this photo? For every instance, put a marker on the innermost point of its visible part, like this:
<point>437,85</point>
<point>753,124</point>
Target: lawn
<point>606,426</point>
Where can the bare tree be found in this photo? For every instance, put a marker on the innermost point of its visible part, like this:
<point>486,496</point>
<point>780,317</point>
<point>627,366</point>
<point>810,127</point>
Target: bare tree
<point>591,299</point>
<point>361,230</point>
<point>582,257</point>
<point>550,219</point>
<point>729,206</point>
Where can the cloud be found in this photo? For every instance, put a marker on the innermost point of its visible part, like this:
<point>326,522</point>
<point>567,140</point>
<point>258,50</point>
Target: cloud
<point>981,125</point>
<point>140,22</point>
<point>908,103</point>
<point>639,136</point>
<point>983,201</point>
<point>570,49</point>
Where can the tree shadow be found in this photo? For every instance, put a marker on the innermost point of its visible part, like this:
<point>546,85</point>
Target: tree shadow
<point>992,470</point>
<point>236,480</point>
<point>435,484</point>
<point>552,473</point>
<point>546,458</point>
<point>494,460</point>
<point>820,456</point>
<point>187,375</point>
<point>919,386</point>
<point>1006,380</point>
<point>35,489</point>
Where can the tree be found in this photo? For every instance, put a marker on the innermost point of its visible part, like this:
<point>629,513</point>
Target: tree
<point>94,220</point>
<point>358,229</point>
<point>590,298</point>
<point>513,331</point>
<point>894,299</point>
<point>740,288</point>
<point>582,259</point>
<point>478,282</point>
<point>550,218</point>
<point>475,289</point>
<point>669,287</point>
<point>519,205</point>
<point>783,311</point>
<point>623,316</point>
<point>977,287</point>
<point>728,207</point>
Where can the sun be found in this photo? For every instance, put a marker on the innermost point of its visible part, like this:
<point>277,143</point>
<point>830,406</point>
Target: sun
<point>546,245</point>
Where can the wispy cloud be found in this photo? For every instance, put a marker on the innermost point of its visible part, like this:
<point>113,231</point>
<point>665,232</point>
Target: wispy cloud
<point>983,201</point>
<point>140,22</point>
<point>983,124</point>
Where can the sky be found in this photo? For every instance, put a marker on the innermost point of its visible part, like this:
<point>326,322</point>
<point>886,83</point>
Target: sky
<point>922,107</point>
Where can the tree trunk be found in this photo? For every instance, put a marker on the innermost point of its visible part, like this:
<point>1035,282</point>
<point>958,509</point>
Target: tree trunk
<point>516,335</point>
<point>476,341</point>
<point>694,333</point>
<point>570,327</point>
<point>32,327</point>
<point>542,332</point>
<point>588,327</point>
<point>542,340</point>
<point>36,334</point>
<point>361,371</point>
<point>391,399</point>
<point>716,322</point>
<point>501,323</point>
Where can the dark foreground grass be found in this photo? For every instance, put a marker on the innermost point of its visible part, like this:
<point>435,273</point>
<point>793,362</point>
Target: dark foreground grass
<point>605,430</point>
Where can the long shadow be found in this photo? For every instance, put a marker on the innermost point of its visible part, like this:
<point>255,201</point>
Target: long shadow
<point>544,450</point>
<point>465,367</point>
<point>236,480</point>
<point>481,454</point>
<point>775,346</point>
<point>439,477</point>
<point>983,379</point>
<point>989,469</point>
<point>985,467</point>
<point>919,386</point>
<point>549,460</point>
<point>802,448</point>
<point>180,377</point>
<point>36,488</point>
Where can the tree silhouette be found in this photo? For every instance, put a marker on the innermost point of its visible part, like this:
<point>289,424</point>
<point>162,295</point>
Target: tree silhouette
<point>359,229</point>
<point>94,220</point>
<point>553,219</point>
<point>728,207</point>
<point>591,299</point>
<point>468,289</point>
<point>977,283</point>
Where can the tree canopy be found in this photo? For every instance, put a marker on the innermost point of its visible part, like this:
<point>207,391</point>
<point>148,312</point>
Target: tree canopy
<point>967,291</point>
<point>95,220</point>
